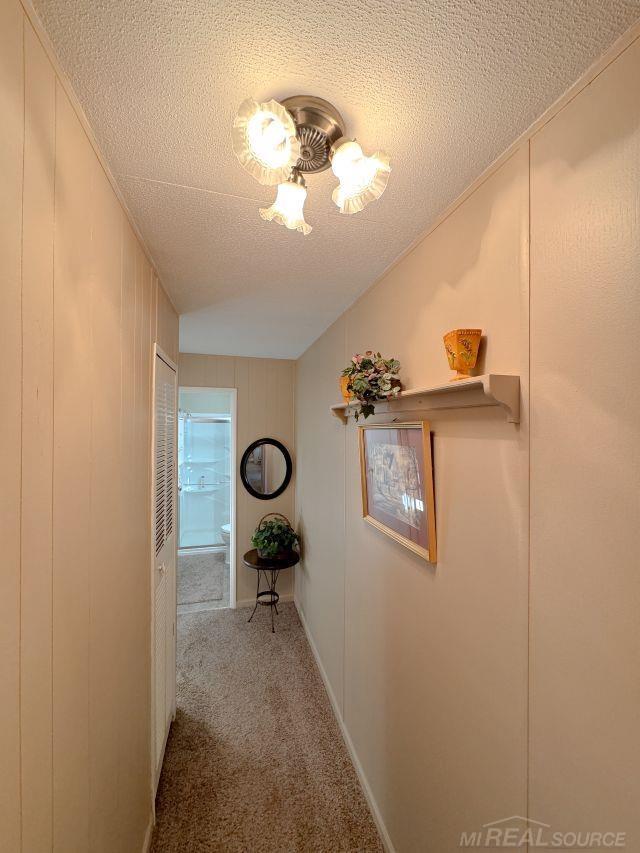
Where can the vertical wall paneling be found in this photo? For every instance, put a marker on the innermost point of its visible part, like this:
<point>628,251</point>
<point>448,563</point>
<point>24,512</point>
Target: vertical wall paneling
<point>429,663</point>
<point>244,430</point>
<point>73,355</point>
<point>321,463</point>
<point>106,451</point>
<point>585,459</point>
<point>135,674</point>
<point>79,308</point>
<point>37,444</point>
<point>166,333</point>
<point>523,695</point>
<point>406,649</point>
<point>264,408</point>
<point>154,306</point>
<point>11,166</point>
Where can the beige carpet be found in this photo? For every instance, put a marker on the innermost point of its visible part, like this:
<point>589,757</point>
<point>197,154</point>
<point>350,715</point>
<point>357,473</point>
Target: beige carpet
<point>255,762</point>
<point>201,577</point>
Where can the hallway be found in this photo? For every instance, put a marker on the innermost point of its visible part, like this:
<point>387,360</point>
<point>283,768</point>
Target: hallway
<point>255,760</point>
<point>332,296</point>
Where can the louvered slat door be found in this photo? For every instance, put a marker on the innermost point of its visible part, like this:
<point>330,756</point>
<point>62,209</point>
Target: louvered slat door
<point>170,538</point>
<point>160,469</point>
<point>164,568</point>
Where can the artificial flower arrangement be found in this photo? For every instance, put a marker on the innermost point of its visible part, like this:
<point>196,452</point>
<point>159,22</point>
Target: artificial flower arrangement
<point>371,377</point>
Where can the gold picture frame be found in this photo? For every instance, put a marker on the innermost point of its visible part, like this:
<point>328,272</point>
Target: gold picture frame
<point>396,475</point>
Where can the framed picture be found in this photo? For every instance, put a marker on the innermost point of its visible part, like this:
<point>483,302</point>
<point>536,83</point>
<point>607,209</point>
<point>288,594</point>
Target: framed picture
<point>397,484</point>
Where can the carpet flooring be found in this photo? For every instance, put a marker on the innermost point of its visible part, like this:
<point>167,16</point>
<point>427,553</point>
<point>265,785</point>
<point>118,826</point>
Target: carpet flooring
<point>203,578</point>
<point>255,761</point>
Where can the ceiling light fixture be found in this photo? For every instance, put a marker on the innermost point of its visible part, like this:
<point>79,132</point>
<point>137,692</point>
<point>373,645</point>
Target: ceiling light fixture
<point>362,179</point>
<point>265,142</point>
<point>280,143</point>
<point>287,208</point>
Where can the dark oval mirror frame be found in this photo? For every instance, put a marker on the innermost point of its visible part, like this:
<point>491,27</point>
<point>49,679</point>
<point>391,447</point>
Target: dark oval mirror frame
<point>287,477</point>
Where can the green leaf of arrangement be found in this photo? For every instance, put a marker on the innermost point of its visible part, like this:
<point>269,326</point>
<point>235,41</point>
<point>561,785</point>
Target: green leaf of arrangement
<point>371,377</point>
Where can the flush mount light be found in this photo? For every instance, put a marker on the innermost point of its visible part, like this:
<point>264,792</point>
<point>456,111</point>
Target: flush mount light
<point>280,143</point>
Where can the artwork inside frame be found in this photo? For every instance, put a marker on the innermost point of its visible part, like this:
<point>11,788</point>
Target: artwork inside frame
<point>397,484</point>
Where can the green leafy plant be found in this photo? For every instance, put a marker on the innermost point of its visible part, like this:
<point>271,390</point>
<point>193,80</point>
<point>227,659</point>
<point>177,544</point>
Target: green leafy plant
<point>272,537</point>
<point>371,378</point>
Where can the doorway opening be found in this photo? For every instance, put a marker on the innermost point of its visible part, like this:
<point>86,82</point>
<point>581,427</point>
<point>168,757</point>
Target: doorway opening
<point>206,489</point>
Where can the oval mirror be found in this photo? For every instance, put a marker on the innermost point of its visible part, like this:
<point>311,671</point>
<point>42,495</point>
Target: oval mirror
<point>265,468</point>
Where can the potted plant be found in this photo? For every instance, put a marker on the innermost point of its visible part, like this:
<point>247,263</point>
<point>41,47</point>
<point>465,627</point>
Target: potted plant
<point>371,377</point>
<point>274,537</point>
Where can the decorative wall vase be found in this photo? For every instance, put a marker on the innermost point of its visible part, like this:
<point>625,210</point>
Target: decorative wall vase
<point>344,381</point>
<point>461,346</point>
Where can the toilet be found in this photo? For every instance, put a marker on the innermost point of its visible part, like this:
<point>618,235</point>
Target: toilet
<point>225,533</point>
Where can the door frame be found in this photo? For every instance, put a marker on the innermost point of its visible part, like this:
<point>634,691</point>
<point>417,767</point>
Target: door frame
<point>158,352</point>
<point>234,477</point>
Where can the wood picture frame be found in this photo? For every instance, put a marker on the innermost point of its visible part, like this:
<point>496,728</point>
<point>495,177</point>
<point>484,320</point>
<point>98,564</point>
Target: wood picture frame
<point>396,474</point>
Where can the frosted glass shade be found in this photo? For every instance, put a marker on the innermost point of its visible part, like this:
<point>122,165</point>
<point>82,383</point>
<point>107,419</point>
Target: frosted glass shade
<point>264,141</point>
<point>287,209</point>
<point>362,179</point>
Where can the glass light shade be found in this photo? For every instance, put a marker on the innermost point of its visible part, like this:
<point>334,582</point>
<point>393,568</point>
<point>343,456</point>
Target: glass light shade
<point>362,179</point>
<point>264,141</point>
<point>287,209</point>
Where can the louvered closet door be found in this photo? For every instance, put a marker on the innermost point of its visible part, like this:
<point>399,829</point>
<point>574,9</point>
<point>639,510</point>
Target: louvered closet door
<point>164,563</point>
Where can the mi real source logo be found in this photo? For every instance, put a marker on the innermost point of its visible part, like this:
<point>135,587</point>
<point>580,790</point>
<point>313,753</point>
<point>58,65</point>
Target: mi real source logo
<point>520,832</point>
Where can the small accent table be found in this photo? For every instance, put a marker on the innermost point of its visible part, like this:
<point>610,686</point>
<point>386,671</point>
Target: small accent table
<point>271,568</point>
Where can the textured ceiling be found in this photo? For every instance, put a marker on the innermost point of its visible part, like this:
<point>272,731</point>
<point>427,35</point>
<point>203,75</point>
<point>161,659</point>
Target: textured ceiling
<point>444,86</point>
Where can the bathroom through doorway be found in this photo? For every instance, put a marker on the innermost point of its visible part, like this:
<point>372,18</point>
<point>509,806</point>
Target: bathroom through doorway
<point>206,490</point>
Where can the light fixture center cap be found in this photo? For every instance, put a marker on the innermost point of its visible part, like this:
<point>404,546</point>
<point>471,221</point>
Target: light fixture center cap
<point>318,125</point>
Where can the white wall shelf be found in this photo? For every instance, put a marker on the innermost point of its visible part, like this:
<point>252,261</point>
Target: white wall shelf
<point>491,389</point>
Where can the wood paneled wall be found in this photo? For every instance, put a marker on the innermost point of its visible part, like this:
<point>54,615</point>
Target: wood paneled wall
<point>504,680</point>
<point>585,459</point>
<point>428,664</point>
<point>80,307</point>
<point>265,408</point>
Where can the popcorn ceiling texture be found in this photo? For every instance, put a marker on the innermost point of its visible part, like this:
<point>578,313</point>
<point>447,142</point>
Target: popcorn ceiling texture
<point>444,87</point>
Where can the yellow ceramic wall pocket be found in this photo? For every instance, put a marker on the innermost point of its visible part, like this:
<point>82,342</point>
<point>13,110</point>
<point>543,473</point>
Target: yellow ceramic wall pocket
<point>462,346</point>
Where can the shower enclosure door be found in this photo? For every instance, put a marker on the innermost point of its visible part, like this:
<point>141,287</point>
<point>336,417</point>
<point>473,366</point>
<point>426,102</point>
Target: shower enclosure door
<point>204,457</point>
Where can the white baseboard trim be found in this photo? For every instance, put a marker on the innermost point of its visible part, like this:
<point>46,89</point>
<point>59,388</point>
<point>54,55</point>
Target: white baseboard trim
<point>146,846</point>
<point>250,602</point>
<point>373,806</point>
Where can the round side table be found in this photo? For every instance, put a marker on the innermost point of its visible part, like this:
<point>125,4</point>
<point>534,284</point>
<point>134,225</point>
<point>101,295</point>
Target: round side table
<point>270,568</point>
